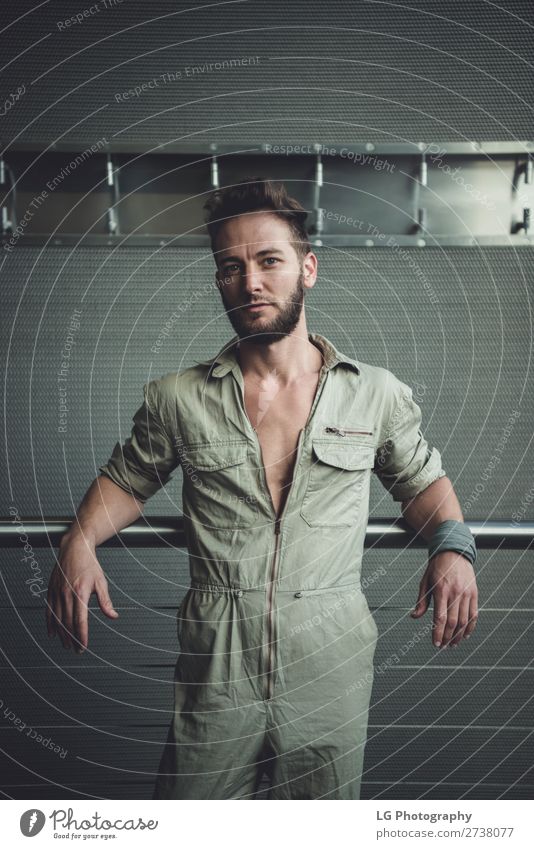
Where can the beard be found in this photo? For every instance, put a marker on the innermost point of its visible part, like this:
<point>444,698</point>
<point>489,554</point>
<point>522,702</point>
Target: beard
<point>259,332</point>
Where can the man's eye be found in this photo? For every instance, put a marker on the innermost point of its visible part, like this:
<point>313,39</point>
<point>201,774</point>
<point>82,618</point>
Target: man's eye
<point>229,269</point>
<point>273,258</point>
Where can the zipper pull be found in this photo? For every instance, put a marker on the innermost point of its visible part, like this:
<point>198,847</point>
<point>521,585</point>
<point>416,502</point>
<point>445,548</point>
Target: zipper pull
<point>341,432</point>
<point>335,430</point>
<point>277,526</point>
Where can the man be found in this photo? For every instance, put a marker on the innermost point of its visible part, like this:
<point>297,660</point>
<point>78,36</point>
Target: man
<point>277,436</point>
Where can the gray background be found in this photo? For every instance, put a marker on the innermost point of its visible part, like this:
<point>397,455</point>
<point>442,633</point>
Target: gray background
<point>346,71</point>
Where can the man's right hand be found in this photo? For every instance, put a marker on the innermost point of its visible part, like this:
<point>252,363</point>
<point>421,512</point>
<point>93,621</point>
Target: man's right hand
<point>76,575</point>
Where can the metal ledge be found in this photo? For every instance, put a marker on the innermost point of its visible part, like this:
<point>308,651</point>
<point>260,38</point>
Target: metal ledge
<point>160,531</point>
<point>118,195</point>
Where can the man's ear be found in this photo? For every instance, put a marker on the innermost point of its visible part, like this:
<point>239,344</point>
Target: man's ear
<point>310,265</point>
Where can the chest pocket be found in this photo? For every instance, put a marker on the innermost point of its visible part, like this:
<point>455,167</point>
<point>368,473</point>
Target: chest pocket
<point>338,481</point>
<point>220,485</point>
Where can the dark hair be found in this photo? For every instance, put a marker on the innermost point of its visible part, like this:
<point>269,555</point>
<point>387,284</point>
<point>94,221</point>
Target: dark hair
<point>253,194</point>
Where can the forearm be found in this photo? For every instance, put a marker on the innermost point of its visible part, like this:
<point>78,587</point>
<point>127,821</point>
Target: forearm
<point>105,509</point>
<point>435,504</point>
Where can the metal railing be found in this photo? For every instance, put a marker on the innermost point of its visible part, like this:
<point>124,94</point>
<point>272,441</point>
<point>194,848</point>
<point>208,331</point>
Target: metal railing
<point>159,531</point>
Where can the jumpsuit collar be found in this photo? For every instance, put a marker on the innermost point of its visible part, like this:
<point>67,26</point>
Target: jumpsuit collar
<point>226,360</point>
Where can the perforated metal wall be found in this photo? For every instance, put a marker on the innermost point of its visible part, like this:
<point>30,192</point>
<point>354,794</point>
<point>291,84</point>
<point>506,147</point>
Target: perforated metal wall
<point>454,324</point>
<point>348,70</point>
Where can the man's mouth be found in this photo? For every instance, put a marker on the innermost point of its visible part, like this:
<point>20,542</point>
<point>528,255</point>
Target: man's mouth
<point>256,306</point>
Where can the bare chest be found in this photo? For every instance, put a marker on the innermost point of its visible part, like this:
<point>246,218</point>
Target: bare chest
<point>278,415</point>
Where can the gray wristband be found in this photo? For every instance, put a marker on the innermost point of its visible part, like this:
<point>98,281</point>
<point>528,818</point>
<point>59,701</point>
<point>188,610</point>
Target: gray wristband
<point>452,535</point>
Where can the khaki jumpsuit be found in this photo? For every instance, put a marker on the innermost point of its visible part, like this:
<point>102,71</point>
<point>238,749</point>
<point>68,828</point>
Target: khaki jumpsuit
<point>276,638</point>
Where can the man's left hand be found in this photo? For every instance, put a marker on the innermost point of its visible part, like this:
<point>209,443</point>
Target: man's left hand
<point>450,579</point>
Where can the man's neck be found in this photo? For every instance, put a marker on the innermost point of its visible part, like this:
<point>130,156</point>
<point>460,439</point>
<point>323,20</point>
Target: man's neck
<point>290,358</point>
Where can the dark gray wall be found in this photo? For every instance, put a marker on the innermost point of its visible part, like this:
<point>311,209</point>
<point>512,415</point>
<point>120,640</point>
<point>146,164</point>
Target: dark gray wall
<point>454,321</point>
<point>350,69</point>
<point>470,353</point>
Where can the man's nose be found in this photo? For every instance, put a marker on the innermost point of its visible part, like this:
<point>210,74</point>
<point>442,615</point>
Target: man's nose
<point>253,279</point>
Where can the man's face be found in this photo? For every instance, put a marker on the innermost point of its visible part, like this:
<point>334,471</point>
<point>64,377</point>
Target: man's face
<point>258,265</point>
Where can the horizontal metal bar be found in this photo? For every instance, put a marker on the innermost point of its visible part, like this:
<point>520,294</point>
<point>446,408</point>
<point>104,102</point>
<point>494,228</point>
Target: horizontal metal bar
<point>305,148</point>
<point>516,240</point>
<point>158,531</point>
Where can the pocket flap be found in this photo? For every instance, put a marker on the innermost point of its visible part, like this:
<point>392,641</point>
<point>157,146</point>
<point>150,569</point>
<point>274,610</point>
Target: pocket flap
<point>213,455</point>
<point>345,455</point>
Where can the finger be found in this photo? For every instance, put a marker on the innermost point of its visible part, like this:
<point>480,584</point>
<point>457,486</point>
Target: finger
<point>56,614</point>
<point>463,618</point>
<point>423,599</point>
<point>80,619</point>
<point>50,621</point>
<point>453,607</point>
<point>66,617</point>
<point>473,615</point>
<point>440,617</point>
<point>104,600</point>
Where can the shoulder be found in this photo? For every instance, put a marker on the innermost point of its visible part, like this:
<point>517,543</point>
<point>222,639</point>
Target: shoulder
<point>383,393</point>
<point>175,389</point>
<point>168,384</point>
<point>382,382</point>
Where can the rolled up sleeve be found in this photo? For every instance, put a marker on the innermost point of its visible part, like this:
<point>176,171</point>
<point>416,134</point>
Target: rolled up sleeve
<point>143,463</point>
<point>405,464</point>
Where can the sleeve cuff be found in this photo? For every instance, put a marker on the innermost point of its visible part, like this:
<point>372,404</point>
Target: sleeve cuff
<point>129,481</point>
<point>430,472</point>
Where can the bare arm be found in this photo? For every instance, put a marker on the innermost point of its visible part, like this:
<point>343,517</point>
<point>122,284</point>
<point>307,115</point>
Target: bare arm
<point>449,576</point>
<point>435,504</point>
<point>141,465</point>
<point>105,509</point>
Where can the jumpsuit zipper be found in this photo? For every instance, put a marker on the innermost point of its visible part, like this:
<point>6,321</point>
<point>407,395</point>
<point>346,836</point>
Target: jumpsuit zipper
<point>270,609</point>
<point>341,431</point>
<point>274,568</point>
